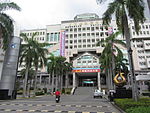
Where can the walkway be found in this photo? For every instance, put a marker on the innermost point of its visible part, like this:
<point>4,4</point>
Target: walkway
<point>68,104</point>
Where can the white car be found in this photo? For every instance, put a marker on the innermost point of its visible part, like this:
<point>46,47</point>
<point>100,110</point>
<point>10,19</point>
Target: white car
<point>97,93</point>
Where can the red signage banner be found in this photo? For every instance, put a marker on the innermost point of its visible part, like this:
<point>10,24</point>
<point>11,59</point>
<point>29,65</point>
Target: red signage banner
<point>86,70</point>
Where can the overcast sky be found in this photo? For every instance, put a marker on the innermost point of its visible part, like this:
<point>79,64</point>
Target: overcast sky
<point>39,13</point>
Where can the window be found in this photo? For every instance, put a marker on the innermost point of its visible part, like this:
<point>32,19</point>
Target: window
<point>88,34</point>
<point>71,30</point>
<point>84,40</point>
<point>75,29</point>
<point>83,29</point>
<point>79,29</point>
<point>88,28</point>
<point>88,40</point>
<point>79,35</point>
<point>79,46</point>
<point>92,28</point>
<point>75,46</point>
<point>84,34</point>
<point>93,40</point>
<point>75,41</point>
<point>70,41</point>
<point>79,41</point>
<point>75,35</point>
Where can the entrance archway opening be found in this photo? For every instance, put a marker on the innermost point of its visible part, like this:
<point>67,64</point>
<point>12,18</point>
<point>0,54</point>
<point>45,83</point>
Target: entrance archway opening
<point>87,79</point>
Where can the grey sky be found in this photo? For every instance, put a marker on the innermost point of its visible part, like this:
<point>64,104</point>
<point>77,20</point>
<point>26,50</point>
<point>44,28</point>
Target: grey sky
<point>39,13</point>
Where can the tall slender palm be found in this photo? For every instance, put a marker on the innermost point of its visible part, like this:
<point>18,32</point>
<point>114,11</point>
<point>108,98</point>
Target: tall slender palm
<point>67,69</point>
<point>30,77</point>
<point>51,68</point>
<point>33,55</point>
<point>61,67</point>
<point>107,59</point>
<point>6,22</point>
<point>123,10</point>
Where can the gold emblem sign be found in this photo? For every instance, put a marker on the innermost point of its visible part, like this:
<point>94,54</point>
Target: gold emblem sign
<point>119,79</point>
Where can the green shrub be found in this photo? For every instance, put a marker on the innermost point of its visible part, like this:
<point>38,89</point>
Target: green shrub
<point>39,93</point>
<point>129,103</point>
<point>68,90</point>
<point>141,109</point>
<point>20,92</point>
<point>63,91</point>
<point>45,90</point>
<point>31,88</point>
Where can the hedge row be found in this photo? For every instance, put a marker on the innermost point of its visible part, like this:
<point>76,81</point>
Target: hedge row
<point>140,109</point>
<point>128,103</point>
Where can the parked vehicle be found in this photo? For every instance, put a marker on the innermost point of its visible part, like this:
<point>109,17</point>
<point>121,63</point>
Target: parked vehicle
<point>97,94</point>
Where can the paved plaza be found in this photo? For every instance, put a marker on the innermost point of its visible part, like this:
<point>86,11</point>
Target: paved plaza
<point>68,104</point>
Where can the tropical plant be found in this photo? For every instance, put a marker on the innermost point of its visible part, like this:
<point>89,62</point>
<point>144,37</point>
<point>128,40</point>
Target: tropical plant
<point>32,55</point>
<point>6,22</point>
<point>51,68</point>
<point>124,9</point>
<point>67,69</point>
<point>109,58</point>
<point>30,77</point>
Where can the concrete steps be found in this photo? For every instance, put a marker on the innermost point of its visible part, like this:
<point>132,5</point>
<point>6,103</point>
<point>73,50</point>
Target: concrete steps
<point>84,91</point>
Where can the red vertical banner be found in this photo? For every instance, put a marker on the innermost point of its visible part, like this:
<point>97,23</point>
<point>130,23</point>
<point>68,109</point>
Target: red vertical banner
<point>110,30</point>
<point>62,43</point>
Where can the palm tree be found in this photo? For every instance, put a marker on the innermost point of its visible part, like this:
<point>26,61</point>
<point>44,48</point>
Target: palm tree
<point>124,9</point>
<point>51,68</point>
<point>107,59</point>
<point>30,77</point>
<point>33,55</point>
<point>67,69</point>
<point>6,22</point>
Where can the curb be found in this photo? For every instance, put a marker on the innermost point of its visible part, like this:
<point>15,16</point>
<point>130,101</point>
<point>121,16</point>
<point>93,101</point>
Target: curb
<point>117,107</point>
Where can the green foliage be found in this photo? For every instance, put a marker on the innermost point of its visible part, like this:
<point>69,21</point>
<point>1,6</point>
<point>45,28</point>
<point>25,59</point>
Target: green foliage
<point>140,109</point>
<point>20,92</point>
<point>63,91</point>
<point>31,88</point>
<point>6,22</point>
<point>39,93</point>
<point>68,91</point>
<point>129,103</point>
<point>45,90</point>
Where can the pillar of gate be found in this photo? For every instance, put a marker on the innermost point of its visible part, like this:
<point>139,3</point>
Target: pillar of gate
<point>99,81</point>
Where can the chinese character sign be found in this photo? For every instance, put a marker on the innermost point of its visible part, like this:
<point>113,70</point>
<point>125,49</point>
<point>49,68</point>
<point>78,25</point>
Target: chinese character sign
<point>86,70</point>
<point>110,30</point>
<point>62,43</point>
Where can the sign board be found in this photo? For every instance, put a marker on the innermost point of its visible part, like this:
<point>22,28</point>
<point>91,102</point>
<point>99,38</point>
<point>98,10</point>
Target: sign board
<point>62,43</point>
<point>86,70</point>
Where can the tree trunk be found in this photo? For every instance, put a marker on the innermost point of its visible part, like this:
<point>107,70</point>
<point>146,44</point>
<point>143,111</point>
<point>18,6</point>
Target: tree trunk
<point>35,80</point>
<point>25,81</point>
<point>61,82</point>
<point>129,49</point>
<point>66,80</point>
<point>53,81</point>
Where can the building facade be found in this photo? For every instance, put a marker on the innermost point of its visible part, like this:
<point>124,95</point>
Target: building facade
<point>76,40</point>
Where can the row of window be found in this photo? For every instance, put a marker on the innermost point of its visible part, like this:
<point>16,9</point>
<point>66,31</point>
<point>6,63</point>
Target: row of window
<point>142,33</point>
<point>97,34</point>
<point>83,40</point>
<point>143,26</point>
<point>80,46</point>
<point>93,25</point>
<point>38,33</point>
<point>88,29</point>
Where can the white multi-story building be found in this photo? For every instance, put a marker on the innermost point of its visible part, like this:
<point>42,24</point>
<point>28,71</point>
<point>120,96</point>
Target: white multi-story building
<point>76,40</point>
